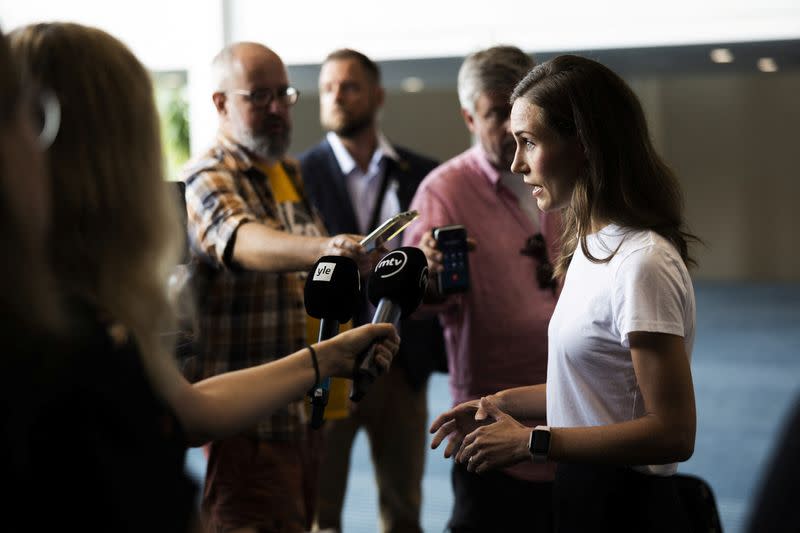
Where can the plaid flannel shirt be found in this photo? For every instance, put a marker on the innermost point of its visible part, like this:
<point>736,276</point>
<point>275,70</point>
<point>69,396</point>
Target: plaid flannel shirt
<point>245,317</point>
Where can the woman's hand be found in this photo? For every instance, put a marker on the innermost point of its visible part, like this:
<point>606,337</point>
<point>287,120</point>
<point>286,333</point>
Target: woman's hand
<point>337,356</point>
<point>454,425</point>
<point>501,443</point>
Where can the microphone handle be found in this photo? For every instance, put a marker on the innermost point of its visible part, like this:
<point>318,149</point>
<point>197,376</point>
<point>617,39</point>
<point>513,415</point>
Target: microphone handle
<point>366,371</point>
<point>328,328</point>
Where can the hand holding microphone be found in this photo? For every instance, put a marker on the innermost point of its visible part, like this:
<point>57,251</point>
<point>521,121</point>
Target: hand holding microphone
<point>337,356</point>
<point>396,286</point>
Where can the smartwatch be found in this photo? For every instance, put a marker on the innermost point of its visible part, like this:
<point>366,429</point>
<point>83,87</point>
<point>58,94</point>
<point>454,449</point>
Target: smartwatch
<point>539,444</point>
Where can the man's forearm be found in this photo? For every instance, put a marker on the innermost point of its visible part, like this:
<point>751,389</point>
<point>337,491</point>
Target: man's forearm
<point>258,247</point>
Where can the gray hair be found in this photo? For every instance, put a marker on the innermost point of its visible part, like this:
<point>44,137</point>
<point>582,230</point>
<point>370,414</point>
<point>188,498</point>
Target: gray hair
<point>496,69</point>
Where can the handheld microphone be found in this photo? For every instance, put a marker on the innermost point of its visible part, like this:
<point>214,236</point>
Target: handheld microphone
<point>332,294</point>
<point>396,287</point>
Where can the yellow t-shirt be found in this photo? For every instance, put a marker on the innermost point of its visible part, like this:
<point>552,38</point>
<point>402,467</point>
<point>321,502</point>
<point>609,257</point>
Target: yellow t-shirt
<point>340,387</point>
<point>279,182</point>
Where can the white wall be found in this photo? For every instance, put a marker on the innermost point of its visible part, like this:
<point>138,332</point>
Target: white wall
<point>733,141</point>
<point>304,32</point>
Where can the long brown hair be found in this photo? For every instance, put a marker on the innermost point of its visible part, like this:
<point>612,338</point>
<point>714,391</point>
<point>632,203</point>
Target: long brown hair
<point>116,231</point>
<point>624,181</point>
<point>28,301</point>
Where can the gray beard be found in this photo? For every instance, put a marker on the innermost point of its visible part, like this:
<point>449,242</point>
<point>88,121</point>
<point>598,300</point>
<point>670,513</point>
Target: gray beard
<point>266,147</point>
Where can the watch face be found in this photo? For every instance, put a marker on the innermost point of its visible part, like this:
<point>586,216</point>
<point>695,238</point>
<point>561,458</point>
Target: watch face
<point>540,442</point>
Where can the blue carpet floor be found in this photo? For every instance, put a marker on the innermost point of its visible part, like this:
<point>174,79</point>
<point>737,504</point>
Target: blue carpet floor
<point>746,369</point>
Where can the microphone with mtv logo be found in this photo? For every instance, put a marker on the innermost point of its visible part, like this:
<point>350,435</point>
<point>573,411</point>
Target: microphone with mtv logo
<point>396,287</point>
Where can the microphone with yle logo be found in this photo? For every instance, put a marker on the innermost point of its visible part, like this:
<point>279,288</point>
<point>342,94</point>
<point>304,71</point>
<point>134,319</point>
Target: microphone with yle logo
<point>396,287</point>
<point>332,293</point>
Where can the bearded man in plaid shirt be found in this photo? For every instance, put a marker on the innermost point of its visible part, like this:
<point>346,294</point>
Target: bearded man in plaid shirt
<point>253,235</point>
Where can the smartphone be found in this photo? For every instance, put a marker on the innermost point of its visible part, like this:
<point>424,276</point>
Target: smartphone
<point>388,230</point>
<point>452,242</point>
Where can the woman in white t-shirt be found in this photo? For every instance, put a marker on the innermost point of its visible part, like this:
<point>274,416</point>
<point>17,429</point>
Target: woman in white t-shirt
<point>619,398</point>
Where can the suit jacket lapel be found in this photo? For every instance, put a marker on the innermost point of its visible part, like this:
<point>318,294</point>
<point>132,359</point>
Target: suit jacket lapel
<point>396,171</point>
<point>339,189</point>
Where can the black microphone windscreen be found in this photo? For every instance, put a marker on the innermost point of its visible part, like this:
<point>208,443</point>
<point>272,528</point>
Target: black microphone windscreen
<point>400,276</point>
<point>333,288</point>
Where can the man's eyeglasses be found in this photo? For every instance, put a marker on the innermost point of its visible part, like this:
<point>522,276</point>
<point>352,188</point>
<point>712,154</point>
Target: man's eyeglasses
<point>263,97</point>
<point>536,247</point>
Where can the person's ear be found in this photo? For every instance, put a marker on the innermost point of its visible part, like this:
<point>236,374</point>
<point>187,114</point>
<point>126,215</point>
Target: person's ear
<point>469,120</point>
<point>220,102</point>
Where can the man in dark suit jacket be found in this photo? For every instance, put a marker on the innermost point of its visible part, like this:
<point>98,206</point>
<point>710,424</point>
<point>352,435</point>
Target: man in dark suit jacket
<point>356,179</point>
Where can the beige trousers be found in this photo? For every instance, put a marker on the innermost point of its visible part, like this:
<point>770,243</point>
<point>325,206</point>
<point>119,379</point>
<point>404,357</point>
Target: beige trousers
<point>395,419</point>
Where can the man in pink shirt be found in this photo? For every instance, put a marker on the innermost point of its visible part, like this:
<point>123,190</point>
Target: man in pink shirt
<point>496,332</point>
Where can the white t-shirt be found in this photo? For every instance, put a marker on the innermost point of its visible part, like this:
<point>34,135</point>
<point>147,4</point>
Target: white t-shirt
<point>645,287</point>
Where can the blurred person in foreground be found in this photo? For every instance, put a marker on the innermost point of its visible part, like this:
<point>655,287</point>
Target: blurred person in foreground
<point>31,320</point>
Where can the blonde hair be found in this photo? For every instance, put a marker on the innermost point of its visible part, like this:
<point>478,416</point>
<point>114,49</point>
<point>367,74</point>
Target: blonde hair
<point>116,232</point>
